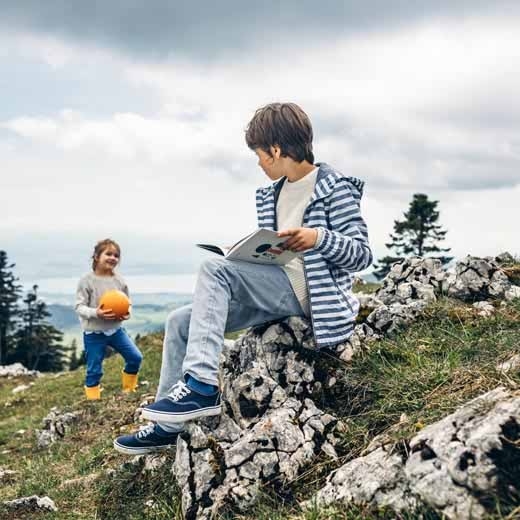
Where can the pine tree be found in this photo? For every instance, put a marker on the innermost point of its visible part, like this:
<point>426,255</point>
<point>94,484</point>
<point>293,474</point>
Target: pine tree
<point>9,312</point>
<point>75,360</point>
<point>38,344</point>
<point>416,235</point>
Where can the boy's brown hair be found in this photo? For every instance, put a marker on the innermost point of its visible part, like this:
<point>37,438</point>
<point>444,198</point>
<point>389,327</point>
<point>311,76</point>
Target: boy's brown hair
<point>285,125</point>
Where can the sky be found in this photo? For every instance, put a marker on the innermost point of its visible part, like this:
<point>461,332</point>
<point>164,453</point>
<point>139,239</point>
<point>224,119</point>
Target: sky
<point>126,119</point>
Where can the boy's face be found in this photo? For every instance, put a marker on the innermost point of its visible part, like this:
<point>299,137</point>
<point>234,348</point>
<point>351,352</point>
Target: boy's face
<point>271,164</point>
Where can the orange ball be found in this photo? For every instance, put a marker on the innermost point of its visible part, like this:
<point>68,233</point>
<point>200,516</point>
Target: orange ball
<point>117,301</point>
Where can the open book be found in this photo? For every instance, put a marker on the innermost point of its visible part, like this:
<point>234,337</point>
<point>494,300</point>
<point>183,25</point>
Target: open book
<point>260,247</point>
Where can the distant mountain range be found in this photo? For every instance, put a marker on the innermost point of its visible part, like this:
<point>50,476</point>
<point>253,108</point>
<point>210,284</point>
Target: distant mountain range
<point>161,299</point>
<point>149,312</point>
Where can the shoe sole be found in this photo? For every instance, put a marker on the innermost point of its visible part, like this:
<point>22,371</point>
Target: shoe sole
<point>140,451</point>
<point>170,418</point>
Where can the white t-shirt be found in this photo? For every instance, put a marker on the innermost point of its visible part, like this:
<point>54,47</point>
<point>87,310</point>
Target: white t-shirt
<point>293,200</point>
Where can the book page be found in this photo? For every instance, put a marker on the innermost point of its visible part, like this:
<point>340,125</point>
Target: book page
<point>262,247</point>
<point>214,249</point>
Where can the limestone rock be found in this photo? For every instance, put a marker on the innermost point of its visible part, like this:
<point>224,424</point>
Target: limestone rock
<point>362,337</point>
<point>20,388</point>
<point>270,428</point>
<point>455,466</point>
<point>388,319</point>
<point>17,370</point>
<point>484,309</point>
<point>407,289</point>
<point>86,481</point>
<point>512,293</point>
<point>510,365</point>
<point>368,301</point>
<point>376,479</point>
<point>412,279</point>
<point>477,279</point>
<point>55,426</point>
<point>30,504</point>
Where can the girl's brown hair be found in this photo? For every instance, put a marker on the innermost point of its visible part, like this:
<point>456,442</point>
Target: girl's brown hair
<point>285,125</point>
<point>100,247</point>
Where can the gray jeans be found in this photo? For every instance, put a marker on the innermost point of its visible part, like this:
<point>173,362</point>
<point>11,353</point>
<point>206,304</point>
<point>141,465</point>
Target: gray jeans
<point>229,295</point>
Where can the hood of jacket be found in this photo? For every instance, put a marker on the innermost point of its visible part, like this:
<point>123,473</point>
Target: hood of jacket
<point>325,181</point>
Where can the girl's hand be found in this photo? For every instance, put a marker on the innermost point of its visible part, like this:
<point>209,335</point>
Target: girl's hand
<point>105,314</point>
<point>300,239</point>
<point>127,315</point>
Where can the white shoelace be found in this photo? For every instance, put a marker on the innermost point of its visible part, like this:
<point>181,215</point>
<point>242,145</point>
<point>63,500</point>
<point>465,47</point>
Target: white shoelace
<point>141,434</point>
<point>179,390</point>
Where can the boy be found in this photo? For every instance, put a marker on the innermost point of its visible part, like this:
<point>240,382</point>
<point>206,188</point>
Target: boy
<point>317,209</point>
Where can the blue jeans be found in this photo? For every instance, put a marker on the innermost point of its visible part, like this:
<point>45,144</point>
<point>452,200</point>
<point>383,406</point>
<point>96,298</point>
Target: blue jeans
<point>95,350</point>
<point>229,296</point>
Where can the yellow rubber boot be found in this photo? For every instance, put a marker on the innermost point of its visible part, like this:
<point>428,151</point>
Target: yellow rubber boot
<point>129,382</point>
<point>93,392</point>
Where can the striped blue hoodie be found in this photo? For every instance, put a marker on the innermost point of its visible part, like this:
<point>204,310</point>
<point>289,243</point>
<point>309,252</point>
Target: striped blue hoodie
<point>342,251</point>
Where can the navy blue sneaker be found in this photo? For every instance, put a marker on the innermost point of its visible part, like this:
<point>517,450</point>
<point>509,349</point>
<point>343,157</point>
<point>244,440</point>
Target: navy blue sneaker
<point>183,404</point>
<point>145,441</point>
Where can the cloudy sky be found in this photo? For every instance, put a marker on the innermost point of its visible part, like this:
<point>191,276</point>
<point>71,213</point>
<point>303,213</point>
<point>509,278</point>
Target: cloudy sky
<point>126,119</point>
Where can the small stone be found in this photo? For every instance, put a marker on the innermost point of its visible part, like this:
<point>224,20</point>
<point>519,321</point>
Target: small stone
<point>85,481</point>
<point>512,293</point>
<point>30,504</point>
<point>484,309</point>
<point>8,475</point>
<point>55,426</point>
<point>20,388</point>
<point>512,364</point>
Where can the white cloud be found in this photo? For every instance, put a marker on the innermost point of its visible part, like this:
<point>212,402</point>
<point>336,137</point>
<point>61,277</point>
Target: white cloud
<point>417,109</point>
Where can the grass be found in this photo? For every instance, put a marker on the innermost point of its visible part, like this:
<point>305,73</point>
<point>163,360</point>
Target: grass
<point>66,471</point>
<point>421,375</point>
<point>366,287</point>
<point>429,371</point>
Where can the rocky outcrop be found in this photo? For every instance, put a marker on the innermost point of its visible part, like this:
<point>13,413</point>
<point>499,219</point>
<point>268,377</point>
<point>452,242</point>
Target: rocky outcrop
<point>477,279</point>
<point>408,288</point>
<point>270,429</point>
<point>458,466</point>
<point>412,279</point>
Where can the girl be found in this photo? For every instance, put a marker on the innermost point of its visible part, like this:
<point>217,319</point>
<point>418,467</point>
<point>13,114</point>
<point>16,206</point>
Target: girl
<point>101,327</point>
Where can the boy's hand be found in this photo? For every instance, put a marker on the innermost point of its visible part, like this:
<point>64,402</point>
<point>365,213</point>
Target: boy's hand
<point>126,316</point>
<point>300,239</point>
<point>105,314</point>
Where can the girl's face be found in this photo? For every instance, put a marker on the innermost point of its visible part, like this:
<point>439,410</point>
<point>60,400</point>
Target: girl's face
<point>108,259</point>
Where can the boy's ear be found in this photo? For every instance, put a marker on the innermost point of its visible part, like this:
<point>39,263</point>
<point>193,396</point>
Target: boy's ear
<point>276,151</point>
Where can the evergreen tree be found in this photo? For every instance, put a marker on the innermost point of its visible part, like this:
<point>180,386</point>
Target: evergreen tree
<point>38,343</point>
<point>9,312</point>
<point>416,235</point>
<point>75,360</point>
